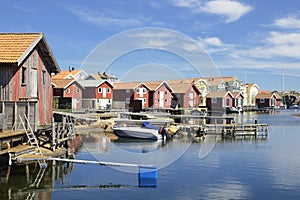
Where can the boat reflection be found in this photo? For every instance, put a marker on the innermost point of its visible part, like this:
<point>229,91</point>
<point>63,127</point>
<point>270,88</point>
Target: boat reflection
<point>138,145</point>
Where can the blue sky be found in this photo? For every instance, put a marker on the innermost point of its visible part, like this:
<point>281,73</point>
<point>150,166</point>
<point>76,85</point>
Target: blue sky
<point>252,40</point>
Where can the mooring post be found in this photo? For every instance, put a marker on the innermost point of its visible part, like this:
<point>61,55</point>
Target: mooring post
<point>53,135</point>
<point>27,173</point>
<point>215,126</point>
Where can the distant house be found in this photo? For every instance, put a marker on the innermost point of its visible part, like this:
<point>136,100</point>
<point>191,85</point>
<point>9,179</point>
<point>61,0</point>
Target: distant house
<point>200,83</point>
<point>268,100</point>
<point>103,76</point>
<point>67,94</point>
<point>71,74</point>
<point>233,84</point>
<point>97,94</point>
<point>131,95</point>
<point>224,83</point>
<point>185,95</point>
<point>215,84</point>
<point>219,101</point>
<point>250,92</point>
<point>238,99</point>
<point>26,64</point>
<point>160,94</point>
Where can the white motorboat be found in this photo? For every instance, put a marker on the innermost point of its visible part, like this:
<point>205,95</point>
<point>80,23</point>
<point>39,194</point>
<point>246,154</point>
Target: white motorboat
<point>137,132</point>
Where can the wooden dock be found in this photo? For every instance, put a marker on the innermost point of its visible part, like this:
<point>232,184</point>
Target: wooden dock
<point>227,130</point>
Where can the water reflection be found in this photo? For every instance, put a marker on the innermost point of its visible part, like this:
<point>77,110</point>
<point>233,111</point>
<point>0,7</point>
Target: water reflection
<point>227,189</point>
<point>31,182</point>
<point>236,168</point>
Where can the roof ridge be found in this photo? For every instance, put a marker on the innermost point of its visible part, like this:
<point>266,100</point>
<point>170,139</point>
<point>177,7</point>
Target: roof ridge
<point>20,33</point>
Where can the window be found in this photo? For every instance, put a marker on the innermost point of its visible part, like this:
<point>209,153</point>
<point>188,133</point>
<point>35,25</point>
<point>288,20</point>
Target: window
<point>166,92</point>
<point>214,100</point>
<point>262,100</point>
<point>68,90</point>
<point>144,90</point>
<point>127,100</point>
<point>272,102</point>
<point>23,75</point>
<point>108,90</point>
<point>166,100</point>
<point>144,100</point>
<point>99,90</point>
<point>109,100</point>
<point>227,102</point>
<point>43,77</point>
<point>98,100</point>
<point>137,90</point>
<point>127,91</point>
<point>77,90</point>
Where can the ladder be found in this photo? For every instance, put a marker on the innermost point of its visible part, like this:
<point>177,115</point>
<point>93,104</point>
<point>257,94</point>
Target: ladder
<point>36,183</point>
<point>32,140</point>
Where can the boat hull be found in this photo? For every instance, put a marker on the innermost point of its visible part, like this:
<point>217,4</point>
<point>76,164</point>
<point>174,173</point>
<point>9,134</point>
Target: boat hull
<point>137,132</point>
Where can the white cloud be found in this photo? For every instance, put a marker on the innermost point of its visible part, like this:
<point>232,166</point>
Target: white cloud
<point>102,20</point>
<point>290,22</point>
<point>185,3</point>
<point>213,41</point>
<point>215,45</point>
<point>276,46</point>
<point>284,38</point>
<point>232,10</point>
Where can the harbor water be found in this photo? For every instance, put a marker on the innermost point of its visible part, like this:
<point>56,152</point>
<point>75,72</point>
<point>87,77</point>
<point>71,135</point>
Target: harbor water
<point>242,168</point>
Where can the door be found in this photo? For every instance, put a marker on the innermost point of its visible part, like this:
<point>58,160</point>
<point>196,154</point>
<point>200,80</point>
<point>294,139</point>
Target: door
<point>104,92</point>
<point>161,99</point>
<point>33,81</point>
<point>141,92</point>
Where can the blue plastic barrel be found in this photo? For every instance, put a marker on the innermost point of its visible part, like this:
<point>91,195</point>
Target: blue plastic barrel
<point>147,176</point>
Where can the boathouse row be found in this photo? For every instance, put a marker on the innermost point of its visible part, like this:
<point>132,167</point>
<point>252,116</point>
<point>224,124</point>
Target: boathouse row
<point>26,65</point>
<point>77,91</point>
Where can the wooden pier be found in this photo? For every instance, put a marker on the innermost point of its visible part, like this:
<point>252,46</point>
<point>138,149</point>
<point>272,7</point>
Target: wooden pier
<point>227,130</point>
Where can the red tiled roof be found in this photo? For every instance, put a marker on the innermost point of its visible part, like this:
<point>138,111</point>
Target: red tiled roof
<point>127,85</point>
<point>219,94</point>
<point>64,73</point>
<point>13,45</point>
<point>62,83</point>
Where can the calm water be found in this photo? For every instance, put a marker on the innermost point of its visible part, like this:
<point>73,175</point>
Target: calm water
<point>233,169</point>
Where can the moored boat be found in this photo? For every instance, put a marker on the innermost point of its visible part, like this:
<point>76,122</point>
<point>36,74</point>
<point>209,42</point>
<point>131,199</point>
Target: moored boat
<point>137,132</point>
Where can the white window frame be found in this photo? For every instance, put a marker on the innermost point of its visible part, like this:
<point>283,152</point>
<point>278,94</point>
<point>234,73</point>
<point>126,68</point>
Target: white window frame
<point>144,90</point>
<point>138,90</point>
<point>214,100</point>
<point>108,90</point>
<point>262,100</point>
<point>273,102</point>
<point>100,90</point>
<point>127,100</point>
<point>68,90</point>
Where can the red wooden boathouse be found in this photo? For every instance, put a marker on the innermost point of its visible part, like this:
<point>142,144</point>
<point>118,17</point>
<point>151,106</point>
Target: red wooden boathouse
<point>26,64</point>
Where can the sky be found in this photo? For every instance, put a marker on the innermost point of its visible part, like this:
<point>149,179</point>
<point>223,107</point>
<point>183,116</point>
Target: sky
<point>258,41</point>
